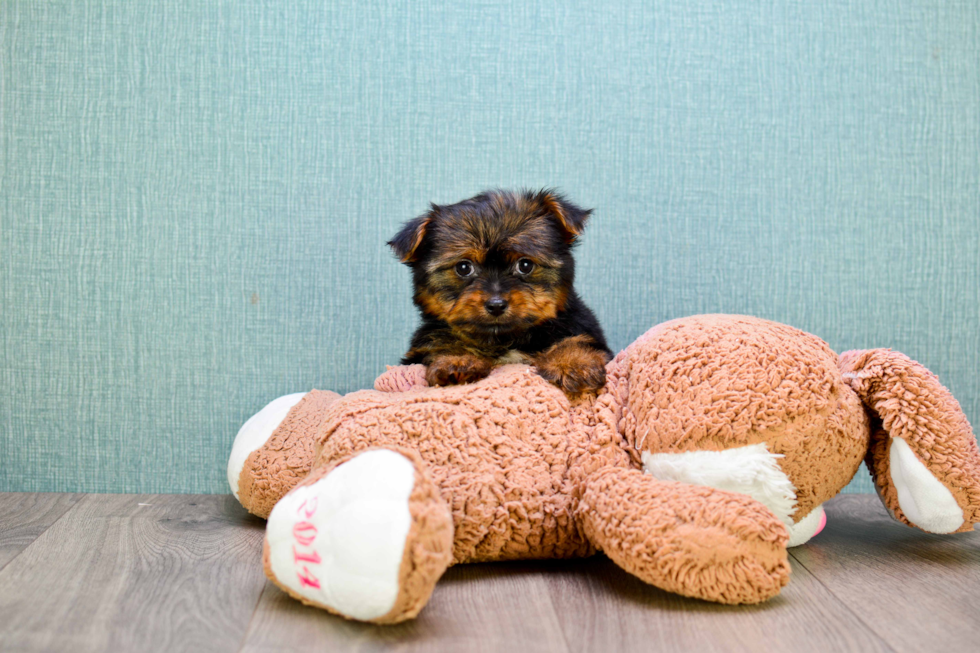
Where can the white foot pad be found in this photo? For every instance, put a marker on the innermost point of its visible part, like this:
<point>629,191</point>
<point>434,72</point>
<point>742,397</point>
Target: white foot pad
<point>806,528</point>
<point>256,432</point>
<point>339,542</point>
<point>926,502</point>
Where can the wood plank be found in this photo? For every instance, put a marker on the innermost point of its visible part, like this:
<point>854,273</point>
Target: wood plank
<point>474,608</point>
<point>581,605</point>
<point>147,573</point>
<point>136,573</point>
<point>917,591</point>
<point>603,608</point>
<point>25,515</point>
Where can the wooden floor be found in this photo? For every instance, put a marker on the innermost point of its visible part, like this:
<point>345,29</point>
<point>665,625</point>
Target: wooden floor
<point>183,573</point>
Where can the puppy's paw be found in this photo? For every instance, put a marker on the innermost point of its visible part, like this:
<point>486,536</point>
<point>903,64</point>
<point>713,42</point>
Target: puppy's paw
<point>573,365</point>
<point>575,380</point>
<point>455,369</point>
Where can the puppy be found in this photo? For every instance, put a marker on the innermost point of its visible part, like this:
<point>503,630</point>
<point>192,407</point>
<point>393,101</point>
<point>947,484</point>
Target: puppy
<point>493,281</point>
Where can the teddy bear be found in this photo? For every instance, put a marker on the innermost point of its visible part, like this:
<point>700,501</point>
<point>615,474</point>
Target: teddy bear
<point>711,449</point>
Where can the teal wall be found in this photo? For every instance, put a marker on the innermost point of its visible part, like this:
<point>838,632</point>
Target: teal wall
<point>194,197</point>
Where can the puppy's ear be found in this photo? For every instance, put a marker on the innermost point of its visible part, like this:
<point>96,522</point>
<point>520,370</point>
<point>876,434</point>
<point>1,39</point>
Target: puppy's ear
<point>571,219</point>
<point>407,242</point>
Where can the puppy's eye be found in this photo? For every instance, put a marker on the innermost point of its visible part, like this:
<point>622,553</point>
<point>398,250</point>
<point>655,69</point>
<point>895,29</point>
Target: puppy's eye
<point>464,268</point>
<point>524,266</point>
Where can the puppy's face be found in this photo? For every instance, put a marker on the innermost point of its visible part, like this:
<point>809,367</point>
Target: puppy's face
<point>494,265</point>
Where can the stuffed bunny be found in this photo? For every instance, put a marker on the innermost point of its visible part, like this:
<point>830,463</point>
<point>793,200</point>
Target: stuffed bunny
<point>711,448</point>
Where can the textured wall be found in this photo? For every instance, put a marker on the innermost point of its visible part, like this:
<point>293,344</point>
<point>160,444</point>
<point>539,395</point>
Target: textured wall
<point>194,199</point>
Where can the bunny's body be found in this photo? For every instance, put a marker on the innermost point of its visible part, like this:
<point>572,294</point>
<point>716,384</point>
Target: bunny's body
<point>710,449</point>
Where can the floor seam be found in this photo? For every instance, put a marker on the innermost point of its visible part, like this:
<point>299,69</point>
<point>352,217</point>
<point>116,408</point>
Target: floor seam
<point>49,526</point>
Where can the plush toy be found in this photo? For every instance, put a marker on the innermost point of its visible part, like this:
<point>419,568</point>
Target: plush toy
<point>711,448</point>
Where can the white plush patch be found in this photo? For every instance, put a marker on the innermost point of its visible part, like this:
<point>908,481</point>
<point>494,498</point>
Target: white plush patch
<point>806,528</point>
<point>340,541</point>
<point>255,432</point>
<point>750,470</point>
<point>926,502</point>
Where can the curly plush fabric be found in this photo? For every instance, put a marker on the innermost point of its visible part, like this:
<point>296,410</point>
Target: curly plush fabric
<point>716,382</point>
<point>401,378</point>
<point>687,539</point>
<point>287,456</point>
<point>500,451</point>
<point>909,402</point>
<point>508,468</point>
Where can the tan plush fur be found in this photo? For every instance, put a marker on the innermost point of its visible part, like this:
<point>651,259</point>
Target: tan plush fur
<point>688,539</point>
<point>510,468</point>
<point>284,460</point>
<point>907,401</point>
<point>715,382</point>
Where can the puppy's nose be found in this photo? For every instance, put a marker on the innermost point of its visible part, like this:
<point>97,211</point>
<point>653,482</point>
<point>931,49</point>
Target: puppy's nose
<point>496,306</point>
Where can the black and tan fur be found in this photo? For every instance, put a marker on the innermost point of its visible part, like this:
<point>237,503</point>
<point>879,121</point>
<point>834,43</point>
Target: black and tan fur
<point>493,281</point>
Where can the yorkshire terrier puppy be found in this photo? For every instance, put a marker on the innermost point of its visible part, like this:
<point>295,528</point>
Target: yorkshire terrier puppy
<point>493,281</point>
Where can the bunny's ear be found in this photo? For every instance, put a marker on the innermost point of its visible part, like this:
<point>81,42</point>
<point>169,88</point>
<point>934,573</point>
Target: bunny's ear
<point>571,219</point>
<point>407,242</point>
<point>923,457</point>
